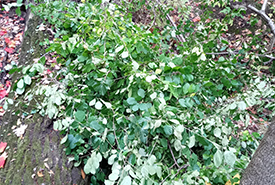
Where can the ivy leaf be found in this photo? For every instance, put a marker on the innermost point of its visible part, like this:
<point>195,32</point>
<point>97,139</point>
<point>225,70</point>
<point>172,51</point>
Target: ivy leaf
<point>57,125</point>
<point>218,158</point>
<point>93,163</point>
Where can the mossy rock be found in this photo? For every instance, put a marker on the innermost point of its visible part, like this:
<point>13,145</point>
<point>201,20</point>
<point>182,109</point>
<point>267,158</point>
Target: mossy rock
<point>37,157</point>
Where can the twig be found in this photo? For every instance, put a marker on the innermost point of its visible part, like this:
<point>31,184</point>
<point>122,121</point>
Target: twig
<point>272,43</point>
<point>223,53</point>
<point>236,52</point>
<point>154,18</point>
<point>179,37</point>
<point>184,166</point>
<point>172,154</point>
<point>268,62</point>
<point>114,128</point>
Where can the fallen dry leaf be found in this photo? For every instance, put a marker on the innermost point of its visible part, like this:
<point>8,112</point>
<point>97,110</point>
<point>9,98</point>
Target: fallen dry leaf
<point>3,158</point>
<point>40,173</point>
<point>83,174</point>
<point>20,131</point>
<point>2,147</point>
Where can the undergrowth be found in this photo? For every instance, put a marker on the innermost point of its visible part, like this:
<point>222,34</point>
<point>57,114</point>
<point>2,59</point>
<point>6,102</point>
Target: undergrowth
<point>132,110</point>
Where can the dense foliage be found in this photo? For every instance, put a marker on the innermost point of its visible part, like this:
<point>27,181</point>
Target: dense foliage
<point>135,111</point>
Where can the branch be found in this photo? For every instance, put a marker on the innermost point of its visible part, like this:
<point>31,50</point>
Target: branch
<point>264,6</point>
<point>263,14</point>
<point>172,154</point>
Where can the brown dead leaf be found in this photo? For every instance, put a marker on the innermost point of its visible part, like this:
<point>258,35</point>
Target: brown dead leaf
<point>47,166</point>
<point>83,174</point>
<point>40,173</point>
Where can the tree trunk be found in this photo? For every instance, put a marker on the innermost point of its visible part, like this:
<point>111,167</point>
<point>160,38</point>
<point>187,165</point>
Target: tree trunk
<point>261,169</point>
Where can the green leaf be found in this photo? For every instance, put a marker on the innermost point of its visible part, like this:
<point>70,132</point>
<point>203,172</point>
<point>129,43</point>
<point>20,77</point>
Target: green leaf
<point>135,107</point>
<point>144,171</point>
<point>189,77</point>
<point>185,88</point>
<point>111,138</point>
<point>182,102</point>
<point>192,88</point>
<point>57,125</point>
<point>217,132</point>
<point>125,54</point>
<point>118,49</point>
<point>177,61</point>
<point>64,139</point>
<point>178,131</point>
<point>73,140</point>
<point>218,158</point>
<point>80,115</point>
<point>98,105</point>
<point>233,106</point>
<point>168,129</point>
<point>20,91</point>
<point>126,181</point>
<point>111,159</point>
<point>141,93</point>
<point>163,142</point>
<point>242,105</point>
<point>192,141</point>
<point>20,84</point>
<point>92,102</point>
<point>152,159</point>
<point>177,145</point>
<point>131,101</point>
<point>93,163</point>
<point>229,158</point>
<point>27,79</point>
<point>98,127</point>
<point>221,59</point>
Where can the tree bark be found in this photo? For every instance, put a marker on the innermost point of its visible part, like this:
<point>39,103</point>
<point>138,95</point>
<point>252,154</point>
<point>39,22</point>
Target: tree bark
<point>261,169</point>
